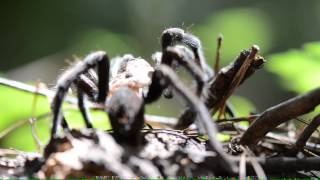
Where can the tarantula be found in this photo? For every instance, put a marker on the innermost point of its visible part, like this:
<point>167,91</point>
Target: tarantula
<point>135,83</point>
<point>128,73</point>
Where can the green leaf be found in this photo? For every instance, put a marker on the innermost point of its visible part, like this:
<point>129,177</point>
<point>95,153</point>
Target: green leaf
<point>223,137</point>
<point>243,108</point>
<point>17,107</point>
<point>297,69</point>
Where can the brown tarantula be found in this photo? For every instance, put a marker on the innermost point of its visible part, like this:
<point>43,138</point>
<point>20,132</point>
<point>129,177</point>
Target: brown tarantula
<point>130,73</point>
<point>134,83</point>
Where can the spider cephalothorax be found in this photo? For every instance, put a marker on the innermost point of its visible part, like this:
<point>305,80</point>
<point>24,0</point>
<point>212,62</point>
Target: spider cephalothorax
<point>173,36</point>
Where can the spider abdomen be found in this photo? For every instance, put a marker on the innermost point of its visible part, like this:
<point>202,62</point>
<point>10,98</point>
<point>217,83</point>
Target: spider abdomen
<point>126,112</point>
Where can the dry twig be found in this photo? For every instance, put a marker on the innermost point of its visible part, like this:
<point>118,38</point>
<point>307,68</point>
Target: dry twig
<point>237,79</point>
<point>305,135</point>
<point>218,54</point>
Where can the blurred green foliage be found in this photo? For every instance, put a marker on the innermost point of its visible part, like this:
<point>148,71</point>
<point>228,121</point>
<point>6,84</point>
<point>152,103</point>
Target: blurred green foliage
<point>243,106</point>
<point>240,27</point>
<point>17,106</point>
<point>114,44</point>
<point>297,69</point>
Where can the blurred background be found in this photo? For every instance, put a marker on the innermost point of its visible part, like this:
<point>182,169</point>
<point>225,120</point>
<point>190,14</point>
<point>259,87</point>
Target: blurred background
<point>38,38</point>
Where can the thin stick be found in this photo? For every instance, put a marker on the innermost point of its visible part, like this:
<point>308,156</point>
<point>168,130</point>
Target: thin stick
<point>14,126</point>
<point>310,152</point>
<point>218,54</point>
<point>32,120</point>
<point>305,135</point>
<point>238,119</point>
<point>31,89</point>
<point>171,122</point>
<point>18,124</point>
<point>217,67</point>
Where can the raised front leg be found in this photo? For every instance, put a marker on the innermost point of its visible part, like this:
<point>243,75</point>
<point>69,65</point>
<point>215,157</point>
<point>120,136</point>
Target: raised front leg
<point>83,108</point>
<point>183,56</point>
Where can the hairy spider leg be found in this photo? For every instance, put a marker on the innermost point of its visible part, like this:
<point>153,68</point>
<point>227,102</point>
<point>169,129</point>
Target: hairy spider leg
<point>174,36</point>
<point>88,86</point>
<point>83,108</point>
<point>164,75</point>
<point>184,57</point>
<point>99,59</point>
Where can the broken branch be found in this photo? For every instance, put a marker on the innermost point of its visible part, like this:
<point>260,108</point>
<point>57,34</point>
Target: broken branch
<point>220,85</point>
<point>279,114</point>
